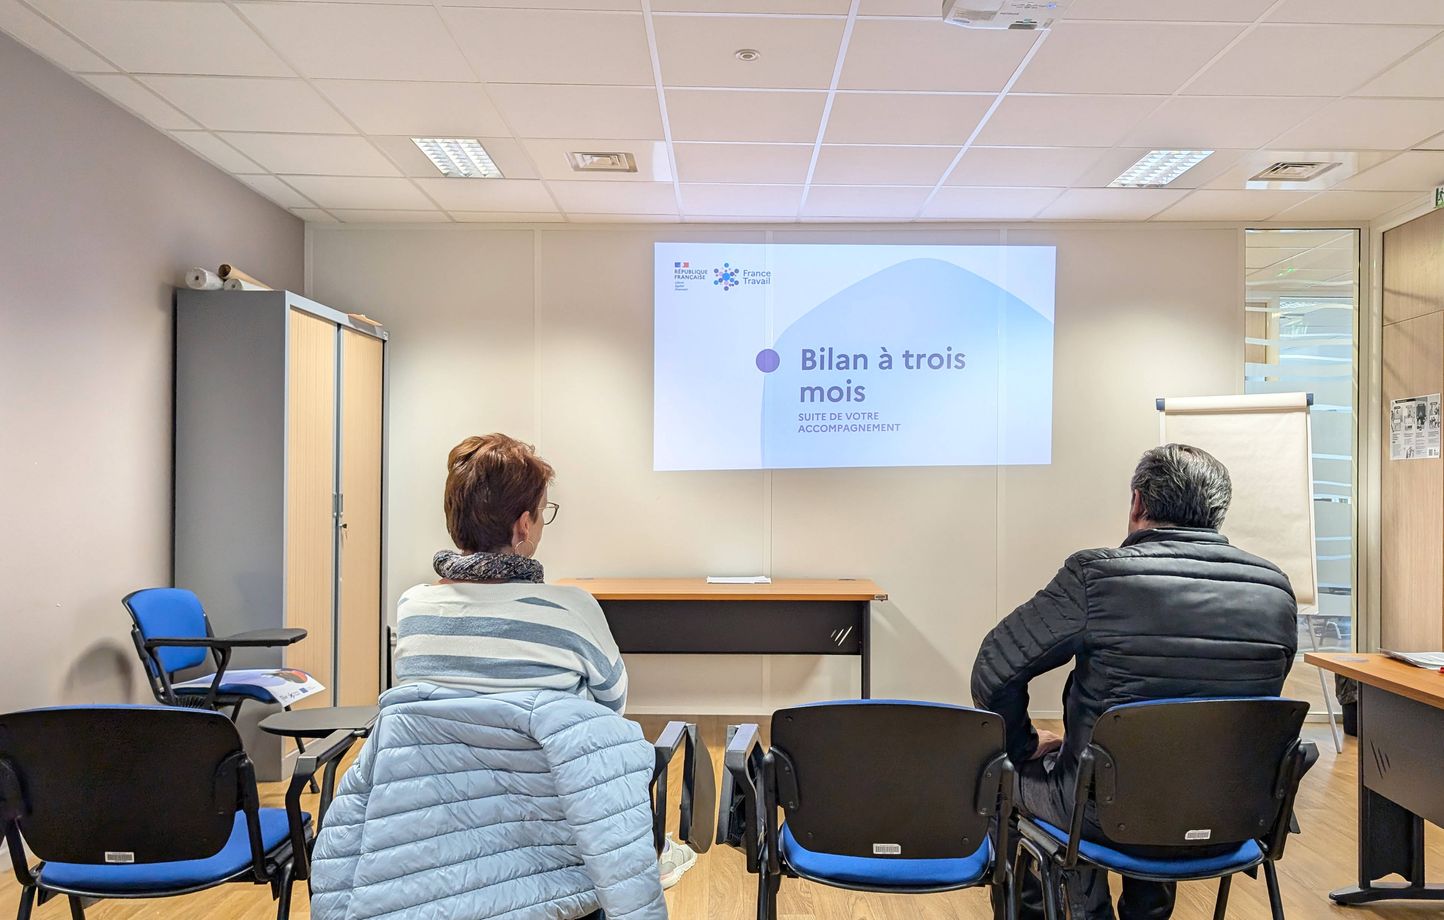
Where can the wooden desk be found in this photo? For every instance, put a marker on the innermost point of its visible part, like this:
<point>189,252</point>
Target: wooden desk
<point>1401,749</point>
<point>687,616</point>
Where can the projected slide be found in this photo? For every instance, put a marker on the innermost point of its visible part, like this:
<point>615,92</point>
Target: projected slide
<point>773,356</point>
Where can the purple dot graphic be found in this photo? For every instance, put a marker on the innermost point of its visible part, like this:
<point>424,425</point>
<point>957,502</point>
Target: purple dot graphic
<point>768,361</point>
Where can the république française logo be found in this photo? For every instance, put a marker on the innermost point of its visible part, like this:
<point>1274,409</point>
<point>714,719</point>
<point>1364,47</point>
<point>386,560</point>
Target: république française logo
<point>727,277</point>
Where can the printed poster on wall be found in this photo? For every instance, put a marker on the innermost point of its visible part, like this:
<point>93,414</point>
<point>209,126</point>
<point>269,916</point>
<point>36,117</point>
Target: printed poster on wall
<point>1414,428</point>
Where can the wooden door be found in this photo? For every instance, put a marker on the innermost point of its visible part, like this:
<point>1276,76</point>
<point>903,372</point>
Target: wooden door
<point>359,622</point>
<point>310,492</point>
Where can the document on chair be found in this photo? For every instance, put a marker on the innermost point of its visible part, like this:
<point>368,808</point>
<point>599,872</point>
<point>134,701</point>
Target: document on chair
<point>1434,661</point>
<point>286,685</point>
<point>738,580</point>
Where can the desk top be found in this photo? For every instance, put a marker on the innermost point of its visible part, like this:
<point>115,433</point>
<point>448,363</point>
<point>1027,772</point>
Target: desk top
<point>1419,684</point>
<point>697,589</point>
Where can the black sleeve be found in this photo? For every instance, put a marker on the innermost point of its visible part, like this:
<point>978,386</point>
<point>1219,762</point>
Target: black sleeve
<point>1040,635</point>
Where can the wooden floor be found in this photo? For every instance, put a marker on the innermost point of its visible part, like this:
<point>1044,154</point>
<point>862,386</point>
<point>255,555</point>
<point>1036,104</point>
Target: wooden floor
<point>717,888</point>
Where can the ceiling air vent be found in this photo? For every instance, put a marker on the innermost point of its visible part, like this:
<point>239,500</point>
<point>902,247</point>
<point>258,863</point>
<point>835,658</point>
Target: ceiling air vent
<point>602,162</point>
<point>1002,14</point>
<point>1294,171</point>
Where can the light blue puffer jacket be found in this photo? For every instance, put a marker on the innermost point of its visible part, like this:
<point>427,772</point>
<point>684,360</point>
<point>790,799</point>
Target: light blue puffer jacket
<point>464,806</point>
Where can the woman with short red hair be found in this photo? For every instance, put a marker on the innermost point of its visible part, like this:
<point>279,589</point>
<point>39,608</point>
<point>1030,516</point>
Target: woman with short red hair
<point>490,624</point>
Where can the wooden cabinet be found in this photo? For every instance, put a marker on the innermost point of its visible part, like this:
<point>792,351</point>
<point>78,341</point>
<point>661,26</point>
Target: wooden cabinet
<point>280,407</point>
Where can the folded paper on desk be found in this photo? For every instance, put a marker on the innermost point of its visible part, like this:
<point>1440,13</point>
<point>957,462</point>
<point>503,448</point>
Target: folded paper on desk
<point>738,580</point>
<point>1434,661</point>
<point>287,685</point>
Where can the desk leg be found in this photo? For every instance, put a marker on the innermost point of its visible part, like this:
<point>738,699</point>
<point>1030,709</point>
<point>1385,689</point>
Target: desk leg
<point>867,650</point>
<point>1391,841</point>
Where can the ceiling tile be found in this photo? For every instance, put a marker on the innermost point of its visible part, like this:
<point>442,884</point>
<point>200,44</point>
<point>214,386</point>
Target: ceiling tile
<point>1065,121</point>
<point>865,201</point>
<point>1240,173</point>
<point>506,217</point>
<point>554,46</point>
<point>140,100</point>
<point>354,216</point>
<point>248,104</point>
<point>1111,203</point>
<point>506,152</point>
<point>760,163</point>
<point>988,203</point>
<point>415,109</point>
<point>313,154</point>
<point>631,6</point>
<point>1421,74</point>
<point>556,110</point>
<point>525,195</point>
<point>882,165</point>
<point>1413,170</point>
<point>1307,60</point>
<point>167,36</point>
<point>1161,10</point>
<point>741,200</point>
<point>770,117</point>
<point>1113,163</point>
<point>929,54</point>
<point>814,7</point>
<point>1122,57</point>
<point>1401,12</point>
<point>904,118</point>
<point>361,41</point>
<point>1368,124</point>
<point>550,156</point>
<point>1203,122</point>
<point>1036,167</point>
<point>313,215</point>
<point>217,151</point>
<point>43,37</point>
<point>925,8</point>
<point>277,191</point>
<point>701,51</point>
<point>1220,204</point>
<point>363,193</point>
<point>1354,206</point>
<point>586,197</point>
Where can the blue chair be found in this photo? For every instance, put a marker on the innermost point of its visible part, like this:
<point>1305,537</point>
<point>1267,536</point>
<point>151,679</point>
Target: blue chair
<point>172,633</point>
<point>878,795</point>
<point>1211,780</point>
<point>78,787</point>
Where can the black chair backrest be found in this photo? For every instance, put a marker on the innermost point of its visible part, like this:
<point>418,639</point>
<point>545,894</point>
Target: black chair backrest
<point>880,778</point>
<point>120,784</point>
<point>1183,773</point>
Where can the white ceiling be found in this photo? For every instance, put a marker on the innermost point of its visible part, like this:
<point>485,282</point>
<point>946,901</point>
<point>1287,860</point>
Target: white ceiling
<point>857,109</point>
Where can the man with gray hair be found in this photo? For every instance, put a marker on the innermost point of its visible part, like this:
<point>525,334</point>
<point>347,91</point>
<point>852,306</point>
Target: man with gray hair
<point>1174,612</point>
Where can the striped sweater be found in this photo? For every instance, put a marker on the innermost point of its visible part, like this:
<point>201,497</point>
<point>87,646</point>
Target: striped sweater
<point>501,638</point>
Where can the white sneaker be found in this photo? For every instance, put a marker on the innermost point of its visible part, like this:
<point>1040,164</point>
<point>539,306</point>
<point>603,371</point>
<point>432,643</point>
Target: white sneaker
<point>675,860</point>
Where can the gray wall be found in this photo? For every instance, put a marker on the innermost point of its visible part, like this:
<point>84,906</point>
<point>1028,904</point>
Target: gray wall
<point>547,334</point>
<point>99,216</point>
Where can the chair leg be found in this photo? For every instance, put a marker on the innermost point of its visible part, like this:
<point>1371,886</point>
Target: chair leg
<point>77,908</point>
<point>1220,907</point>
<point>27,902</point>
<point>283,892</point>
<point>767,887</point>
<point>1055,888</point>
<point>1276,901</point>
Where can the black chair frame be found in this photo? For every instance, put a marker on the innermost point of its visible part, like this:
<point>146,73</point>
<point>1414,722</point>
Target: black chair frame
<point>1095,780</point>
<point>280,867</point>
<point>752,777</point>
<point>699,788</point>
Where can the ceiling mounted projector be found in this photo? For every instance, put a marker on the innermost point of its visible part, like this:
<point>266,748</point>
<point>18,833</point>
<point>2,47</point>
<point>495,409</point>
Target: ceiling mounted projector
<point>1002,14</point>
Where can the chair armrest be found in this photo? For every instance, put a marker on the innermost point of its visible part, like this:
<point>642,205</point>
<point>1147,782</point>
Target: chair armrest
<point>324,753</point>
<point>668,743</point>
<point>737,800</point>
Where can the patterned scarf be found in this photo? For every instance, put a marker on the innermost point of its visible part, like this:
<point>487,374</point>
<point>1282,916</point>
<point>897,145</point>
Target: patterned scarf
<point>456,566</point>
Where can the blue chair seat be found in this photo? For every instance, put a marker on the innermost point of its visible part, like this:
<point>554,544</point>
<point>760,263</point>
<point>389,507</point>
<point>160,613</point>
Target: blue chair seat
<point>249,691</point>
<point>157,878</point>
<point>1243,856</point>
<point>881,872</point>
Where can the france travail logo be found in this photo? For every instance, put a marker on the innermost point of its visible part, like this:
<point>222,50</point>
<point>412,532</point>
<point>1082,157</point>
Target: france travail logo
<point>726,276</point>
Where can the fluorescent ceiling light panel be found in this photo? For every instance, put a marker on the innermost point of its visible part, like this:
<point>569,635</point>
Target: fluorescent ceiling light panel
<point>458,157</point>
<point>1159,167</point>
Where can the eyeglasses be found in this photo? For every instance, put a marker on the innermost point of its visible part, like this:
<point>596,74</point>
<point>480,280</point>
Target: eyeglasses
<point>549,512</point>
